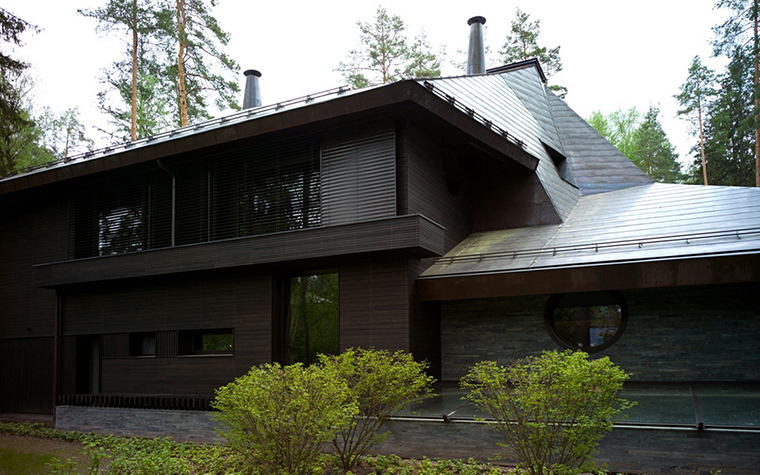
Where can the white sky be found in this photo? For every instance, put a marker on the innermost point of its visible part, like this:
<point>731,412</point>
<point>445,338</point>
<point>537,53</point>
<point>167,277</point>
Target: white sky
<point>616,54</point>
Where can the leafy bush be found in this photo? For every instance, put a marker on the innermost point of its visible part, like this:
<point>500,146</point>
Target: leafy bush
<point>381,383</point>
<point>552,410</point>
<point>280,416</point>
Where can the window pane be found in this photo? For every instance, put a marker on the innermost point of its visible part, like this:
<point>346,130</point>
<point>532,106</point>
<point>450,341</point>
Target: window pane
<point>216,342</point>
<point>313,317</point>
<point>206,342</point>
<point>586,321</point>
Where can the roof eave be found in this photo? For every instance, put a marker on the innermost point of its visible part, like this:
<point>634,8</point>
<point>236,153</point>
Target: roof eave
<point>385,98</point>
<point>728,268</point>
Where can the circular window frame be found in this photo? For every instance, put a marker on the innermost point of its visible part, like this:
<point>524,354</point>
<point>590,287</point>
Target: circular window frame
<point>588,300</point>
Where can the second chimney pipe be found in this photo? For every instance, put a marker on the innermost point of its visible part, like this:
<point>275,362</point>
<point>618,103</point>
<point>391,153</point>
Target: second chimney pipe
<point>252,93</point>
<point>476,56</point>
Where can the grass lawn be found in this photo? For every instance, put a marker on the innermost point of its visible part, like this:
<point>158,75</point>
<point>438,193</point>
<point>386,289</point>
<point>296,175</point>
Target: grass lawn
<point>30,455</point>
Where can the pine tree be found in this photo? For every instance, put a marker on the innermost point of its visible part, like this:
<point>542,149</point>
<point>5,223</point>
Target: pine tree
<point>136,19</point>
<point>652,151</point>
<point>64,135</point>
<point>200,68</point>
<point>694,99</point>
<point>740,31</point>
<point>16,126</point>
<point>730,128</point>
<point>385,54</point>
<point>522,44</point>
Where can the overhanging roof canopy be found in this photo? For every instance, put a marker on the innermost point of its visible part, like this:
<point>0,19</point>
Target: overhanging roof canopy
<point>646,236</point>
<point>330,108</point>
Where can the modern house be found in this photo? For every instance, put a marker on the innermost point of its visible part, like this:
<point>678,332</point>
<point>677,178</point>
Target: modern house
<point>460,219</point>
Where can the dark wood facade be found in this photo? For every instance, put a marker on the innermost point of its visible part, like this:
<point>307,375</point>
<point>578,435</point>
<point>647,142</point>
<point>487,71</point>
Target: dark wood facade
<point>164,241</point>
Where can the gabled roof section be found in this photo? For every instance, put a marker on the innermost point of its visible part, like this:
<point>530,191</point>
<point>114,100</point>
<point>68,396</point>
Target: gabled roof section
<point>515,101</point>
<point>642,224</point>
<point>595,164</point>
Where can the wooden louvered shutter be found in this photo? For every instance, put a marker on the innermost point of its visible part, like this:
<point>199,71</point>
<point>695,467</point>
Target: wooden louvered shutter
<point>359,176</point>
<point>265,188</point>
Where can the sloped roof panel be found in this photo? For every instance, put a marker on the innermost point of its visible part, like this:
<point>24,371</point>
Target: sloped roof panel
<point>493,97</point>
<point>651,222</point>
<point>526,83</point>
<point>596,165</point>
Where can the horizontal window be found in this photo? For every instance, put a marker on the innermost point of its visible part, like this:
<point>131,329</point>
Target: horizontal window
<point>206,342</point>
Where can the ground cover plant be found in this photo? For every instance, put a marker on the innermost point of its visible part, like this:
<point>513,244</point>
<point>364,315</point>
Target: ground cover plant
<point>552,410</point>
<point>112,455</point>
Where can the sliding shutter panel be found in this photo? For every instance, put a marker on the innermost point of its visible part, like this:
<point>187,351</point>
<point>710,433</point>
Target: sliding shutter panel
<point>359,176</point>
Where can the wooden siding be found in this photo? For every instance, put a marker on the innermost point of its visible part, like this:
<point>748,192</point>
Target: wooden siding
<point>33,230</point>
<point>423,172</point>
<point>26,375</point>
<point>424,322</point>
<point>374,304</point>
<point>509,199</point>
<point>241,301</point>
<point>359,174</point>
<point>414,234</point>
<point>379,308</point>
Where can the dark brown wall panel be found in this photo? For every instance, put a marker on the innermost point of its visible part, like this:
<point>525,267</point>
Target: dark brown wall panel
<point>424,322</point>
<point>374,304</point>
<point>240,301</point>
<point>424,171</point>
<point>509,199</point>
<point>26,375</point>
<point>33,230</point>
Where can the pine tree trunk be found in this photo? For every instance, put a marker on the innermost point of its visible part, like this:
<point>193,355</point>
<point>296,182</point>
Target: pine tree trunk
<point>756,57</point>
<point>133,129</point>
<point>181,23</point>
<point>702,141</point>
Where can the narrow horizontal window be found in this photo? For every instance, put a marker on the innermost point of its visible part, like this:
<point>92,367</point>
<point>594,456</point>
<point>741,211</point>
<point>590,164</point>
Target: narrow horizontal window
<point>206,342</point>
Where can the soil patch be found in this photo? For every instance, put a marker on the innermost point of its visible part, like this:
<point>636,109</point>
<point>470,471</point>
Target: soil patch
<point>29,455</point>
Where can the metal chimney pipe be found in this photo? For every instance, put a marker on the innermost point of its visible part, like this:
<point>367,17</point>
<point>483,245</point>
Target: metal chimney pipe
<point>476,54</point>
<point>252,93</point>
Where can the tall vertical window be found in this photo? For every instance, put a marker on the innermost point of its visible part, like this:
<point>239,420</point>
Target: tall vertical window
<point>312,317</point>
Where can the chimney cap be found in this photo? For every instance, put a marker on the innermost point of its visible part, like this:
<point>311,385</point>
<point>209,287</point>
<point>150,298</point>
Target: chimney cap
<point>252,72</point>
<point>477,19</point>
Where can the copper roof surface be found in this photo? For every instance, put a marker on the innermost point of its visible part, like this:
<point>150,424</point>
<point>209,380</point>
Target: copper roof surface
<point>643,223</point>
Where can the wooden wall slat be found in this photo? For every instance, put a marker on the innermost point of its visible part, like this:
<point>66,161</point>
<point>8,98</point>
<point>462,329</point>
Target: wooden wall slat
<point>424,166</point>
<point>240,300</point>
<point>26,375</point>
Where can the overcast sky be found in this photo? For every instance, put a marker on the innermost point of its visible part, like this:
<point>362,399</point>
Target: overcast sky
<point>616,54</point>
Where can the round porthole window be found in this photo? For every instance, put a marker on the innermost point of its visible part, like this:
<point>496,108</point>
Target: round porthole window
<point>589,322</point>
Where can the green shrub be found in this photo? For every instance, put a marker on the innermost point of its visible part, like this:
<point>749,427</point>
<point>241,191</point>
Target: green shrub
<point>280,416</point>
<point>552,410</point>
<point>381,383</point>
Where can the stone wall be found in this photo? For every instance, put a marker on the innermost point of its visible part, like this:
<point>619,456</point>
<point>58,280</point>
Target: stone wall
<point>684,334</point>
<point>197,426</point>
<point>633,450</point>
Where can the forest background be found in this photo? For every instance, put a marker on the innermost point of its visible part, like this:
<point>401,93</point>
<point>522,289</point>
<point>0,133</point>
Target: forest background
<point>615,56</point>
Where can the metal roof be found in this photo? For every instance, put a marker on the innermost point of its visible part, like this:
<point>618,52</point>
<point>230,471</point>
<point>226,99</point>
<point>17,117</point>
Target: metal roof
<point>169,135</point>
<point>516,102</point>
<point>595,164</point>
<point>643,223</point>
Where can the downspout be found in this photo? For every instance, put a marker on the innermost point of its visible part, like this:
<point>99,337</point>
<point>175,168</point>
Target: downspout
<point>174,199</point>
